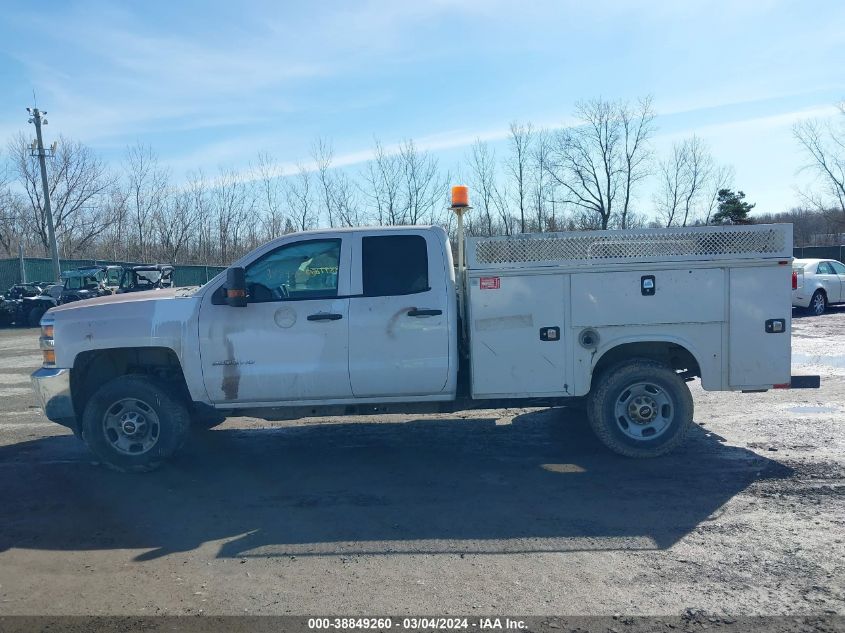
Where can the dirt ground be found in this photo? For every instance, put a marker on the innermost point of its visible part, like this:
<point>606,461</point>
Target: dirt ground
<point>515,511</point>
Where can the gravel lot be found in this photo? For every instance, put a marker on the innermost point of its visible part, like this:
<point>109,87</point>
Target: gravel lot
<point>514,511</point>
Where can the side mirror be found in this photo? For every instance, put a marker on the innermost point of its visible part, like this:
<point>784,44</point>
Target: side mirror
<point>236,287</point>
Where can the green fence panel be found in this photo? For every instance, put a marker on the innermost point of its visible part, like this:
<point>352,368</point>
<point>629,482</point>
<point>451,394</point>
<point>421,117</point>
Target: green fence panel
<point>40,269</point>
<point>821,252</point>
<point>194,275</point>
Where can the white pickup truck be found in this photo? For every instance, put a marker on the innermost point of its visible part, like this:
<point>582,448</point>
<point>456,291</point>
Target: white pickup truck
<point>366,321</point>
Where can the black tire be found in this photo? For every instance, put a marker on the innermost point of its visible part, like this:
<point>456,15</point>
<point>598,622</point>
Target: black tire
<point>663,394</point>
<point>164,417</point>
<point>818,303</point>
<point>34,317</point>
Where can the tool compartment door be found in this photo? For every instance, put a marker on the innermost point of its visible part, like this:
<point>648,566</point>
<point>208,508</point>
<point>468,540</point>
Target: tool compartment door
<point>757,357</point>
<point>676,296</point>
<point>516,326</point>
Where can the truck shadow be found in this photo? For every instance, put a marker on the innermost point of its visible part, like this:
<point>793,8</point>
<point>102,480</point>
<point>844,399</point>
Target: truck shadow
<point>540,483</point>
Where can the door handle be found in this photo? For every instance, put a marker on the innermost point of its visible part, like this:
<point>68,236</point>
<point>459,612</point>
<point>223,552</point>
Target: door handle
<point>324,316</point>
<point>415,312</point>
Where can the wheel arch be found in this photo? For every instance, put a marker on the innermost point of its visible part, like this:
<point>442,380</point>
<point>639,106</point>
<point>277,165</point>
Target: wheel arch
<point>677,353</point>
<point>93,368</point>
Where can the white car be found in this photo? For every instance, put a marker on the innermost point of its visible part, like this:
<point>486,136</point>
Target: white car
<point>817,283</point>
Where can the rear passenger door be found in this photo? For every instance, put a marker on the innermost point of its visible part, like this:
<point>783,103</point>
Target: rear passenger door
<point>839,269</point>
<point>830,280</point>
<point>398,315</point>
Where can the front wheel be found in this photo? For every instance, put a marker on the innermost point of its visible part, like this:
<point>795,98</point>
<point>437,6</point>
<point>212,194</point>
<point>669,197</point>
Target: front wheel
<point>640,408</point>
<point>133,423</point>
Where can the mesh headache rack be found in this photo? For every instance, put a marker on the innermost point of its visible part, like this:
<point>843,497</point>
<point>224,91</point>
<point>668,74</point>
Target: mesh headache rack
<point>631,246</point>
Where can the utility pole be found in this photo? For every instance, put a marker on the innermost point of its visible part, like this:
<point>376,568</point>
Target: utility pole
<point>22,262</point>
<point>37,117</point>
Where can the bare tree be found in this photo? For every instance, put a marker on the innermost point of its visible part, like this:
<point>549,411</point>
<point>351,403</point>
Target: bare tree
<point>148,187</point>
<point>671,187</point>
<point>683,178</point>
<point>113,240</point>
<point>598,162</point>
<point>344,201</point>
<point>198,190</point>
<point>422,185</point>
<point>323,155</point>
<point>482,165</point>
<point>699,167</point>
<point>383,179</point>
<point>77,180</point>
<point>10,212</point>
<point>175,225</point>
<point>271,195</point>
<point>231,203</point>
<point>824,143</point>
<point>300,200</point>
<point>517,166</point>
<point>638,127</point>
<point>541,185</point>
<point>720,178</point>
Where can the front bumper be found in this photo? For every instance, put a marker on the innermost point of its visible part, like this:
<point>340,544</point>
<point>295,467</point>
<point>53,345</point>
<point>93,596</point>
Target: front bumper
<point>52,391</point>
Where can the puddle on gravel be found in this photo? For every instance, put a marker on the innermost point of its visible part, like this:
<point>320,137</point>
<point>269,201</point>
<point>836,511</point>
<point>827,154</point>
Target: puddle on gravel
<point>819,359</point>
<point>812,409</point>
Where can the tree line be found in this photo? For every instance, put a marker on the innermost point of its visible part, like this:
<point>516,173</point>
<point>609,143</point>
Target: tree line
<point>590,174</point>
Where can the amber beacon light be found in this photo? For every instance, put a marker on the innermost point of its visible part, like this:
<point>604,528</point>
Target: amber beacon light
<point>460,196</point>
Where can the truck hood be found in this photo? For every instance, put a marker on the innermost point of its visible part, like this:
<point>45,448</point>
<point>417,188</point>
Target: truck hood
<point>164,294</point>
<point>154,318</point>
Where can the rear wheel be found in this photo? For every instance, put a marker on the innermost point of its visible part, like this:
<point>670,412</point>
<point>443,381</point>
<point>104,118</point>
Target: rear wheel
<point>133,423</point>
<point>818,303</point>
<point>640,408</point>
<point>35,314</point>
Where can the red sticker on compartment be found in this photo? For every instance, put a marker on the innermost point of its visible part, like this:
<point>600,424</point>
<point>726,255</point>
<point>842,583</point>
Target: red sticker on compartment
<point>489,283</point>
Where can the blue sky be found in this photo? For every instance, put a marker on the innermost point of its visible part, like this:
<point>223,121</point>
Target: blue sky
<point>210,84</point>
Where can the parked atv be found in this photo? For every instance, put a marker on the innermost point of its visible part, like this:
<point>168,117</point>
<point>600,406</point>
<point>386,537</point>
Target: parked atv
<point>145,277</point>
<point>33,308</point>
<point>17,301</point>
<point>87,283</point>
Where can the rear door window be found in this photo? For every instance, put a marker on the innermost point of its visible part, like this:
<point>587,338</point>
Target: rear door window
<point>838,268</point>
<point>394,265</point>
<point>824,269</point>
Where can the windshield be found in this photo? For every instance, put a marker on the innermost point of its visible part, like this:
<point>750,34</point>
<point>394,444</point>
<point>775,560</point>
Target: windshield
<point>80,282</point>
<point>140,279</point>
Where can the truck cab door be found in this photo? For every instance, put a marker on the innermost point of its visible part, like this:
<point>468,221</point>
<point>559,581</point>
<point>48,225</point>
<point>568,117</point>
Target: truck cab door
<point>402,315</point>
<point>291,341</point>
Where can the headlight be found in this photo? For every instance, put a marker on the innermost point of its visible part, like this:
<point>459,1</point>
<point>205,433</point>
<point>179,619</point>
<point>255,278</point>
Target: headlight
<point>47,343</point>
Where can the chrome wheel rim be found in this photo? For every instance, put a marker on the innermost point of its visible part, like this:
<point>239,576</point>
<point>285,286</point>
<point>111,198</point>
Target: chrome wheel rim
<point>644,411</point>
<point>818,304</point>
<point>131,426</point>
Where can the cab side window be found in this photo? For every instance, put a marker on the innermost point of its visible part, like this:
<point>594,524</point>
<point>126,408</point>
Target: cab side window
<point>394,265</point>
<point>302,270</point>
